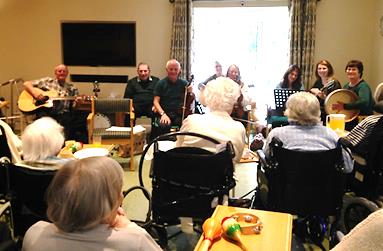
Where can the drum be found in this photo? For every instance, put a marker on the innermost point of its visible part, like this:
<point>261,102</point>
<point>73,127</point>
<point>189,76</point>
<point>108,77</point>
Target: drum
<point>344,96</point>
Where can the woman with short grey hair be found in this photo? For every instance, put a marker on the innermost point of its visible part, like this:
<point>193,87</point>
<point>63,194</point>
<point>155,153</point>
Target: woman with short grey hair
<point>303,109</point>
<point>305,132</point>
<point>84,201</point>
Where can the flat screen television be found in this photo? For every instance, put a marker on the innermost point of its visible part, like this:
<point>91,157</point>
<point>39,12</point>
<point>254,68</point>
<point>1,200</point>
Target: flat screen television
<point>98,43</point>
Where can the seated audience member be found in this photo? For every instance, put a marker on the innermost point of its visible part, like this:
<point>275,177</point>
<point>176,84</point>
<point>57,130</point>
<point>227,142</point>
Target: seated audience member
<point>219,95</point>
<point>367,235</point>
<point>292,79</point>
<point>84,201</point>
<point>41,141</point>
<point>140,89</point>
<point>13,142</point>
<point>305,132</point>
<point>240,110</point>
<point>359,137</point>
<point>325,83</point>
<point>169,98</point>
<point>365,101</point>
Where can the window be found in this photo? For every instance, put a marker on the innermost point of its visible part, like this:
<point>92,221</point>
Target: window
<point>254,38</point>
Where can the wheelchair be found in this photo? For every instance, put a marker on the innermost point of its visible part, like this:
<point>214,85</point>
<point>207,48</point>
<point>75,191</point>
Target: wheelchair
<point>306,184</point>
<point>365,184</point>
<point>186,181</point>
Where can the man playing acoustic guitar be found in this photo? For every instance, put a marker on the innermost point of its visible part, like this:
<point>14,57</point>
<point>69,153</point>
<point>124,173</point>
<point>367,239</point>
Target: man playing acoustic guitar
<point>74,122</point>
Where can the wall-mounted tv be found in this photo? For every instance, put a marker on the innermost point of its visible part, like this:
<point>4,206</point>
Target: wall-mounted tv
<point>98,43</point>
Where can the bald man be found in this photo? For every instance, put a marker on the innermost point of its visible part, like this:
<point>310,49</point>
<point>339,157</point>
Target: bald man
<point>74,122</point>
<point>169,98</point>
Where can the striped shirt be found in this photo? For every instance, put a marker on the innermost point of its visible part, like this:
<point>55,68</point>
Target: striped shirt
<point>359,136</point>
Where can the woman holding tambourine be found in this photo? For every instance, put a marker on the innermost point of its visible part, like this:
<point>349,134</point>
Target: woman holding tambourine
<point>365,102</point>
<point>325,84</point>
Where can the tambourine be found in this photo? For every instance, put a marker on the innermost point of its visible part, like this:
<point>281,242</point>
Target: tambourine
<point>344,96</point>
<point>101,121</point>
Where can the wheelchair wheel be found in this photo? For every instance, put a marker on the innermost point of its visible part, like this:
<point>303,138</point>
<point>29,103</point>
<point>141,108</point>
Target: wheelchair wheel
<point>355,210</point>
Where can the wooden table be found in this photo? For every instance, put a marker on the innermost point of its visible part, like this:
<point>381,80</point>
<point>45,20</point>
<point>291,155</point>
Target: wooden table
<point>275,235</point>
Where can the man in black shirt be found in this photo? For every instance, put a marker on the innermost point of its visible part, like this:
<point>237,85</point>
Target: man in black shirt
<point>140,89</point>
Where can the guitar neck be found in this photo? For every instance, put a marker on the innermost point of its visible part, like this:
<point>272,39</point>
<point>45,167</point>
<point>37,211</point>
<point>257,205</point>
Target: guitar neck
<point>63,98</point>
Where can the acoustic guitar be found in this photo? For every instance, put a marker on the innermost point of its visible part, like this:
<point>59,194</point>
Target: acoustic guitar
<point>27,103</point>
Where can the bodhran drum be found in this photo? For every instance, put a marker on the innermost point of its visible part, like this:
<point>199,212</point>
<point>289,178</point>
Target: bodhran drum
<point>344,96</point>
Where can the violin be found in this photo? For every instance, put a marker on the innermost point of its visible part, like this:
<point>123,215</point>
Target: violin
<point>238,108</point>
<point>189,98</point>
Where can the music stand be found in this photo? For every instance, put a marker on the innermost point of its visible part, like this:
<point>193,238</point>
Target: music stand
<point>281,96</point>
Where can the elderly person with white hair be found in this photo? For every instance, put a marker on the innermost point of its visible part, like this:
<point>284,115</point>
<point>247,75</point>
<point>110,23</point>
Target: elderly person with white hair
<point>219,96</point>
<point>41,141</point>
<point>305,131</point>
<point>84,201</point>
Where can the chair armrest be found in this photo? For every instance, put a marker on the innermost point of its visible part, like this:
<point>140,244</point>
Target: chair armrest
<point>262,158</point>
<point>90,125</point>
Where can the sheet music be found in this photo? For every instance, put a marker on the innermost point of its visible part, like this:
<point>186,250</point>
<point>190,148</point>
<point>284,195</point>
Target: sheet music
<point>137,129</point>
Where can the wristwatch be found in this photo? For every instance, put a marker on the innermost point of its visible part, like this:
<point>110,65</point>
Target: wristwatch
<point>162,113</point>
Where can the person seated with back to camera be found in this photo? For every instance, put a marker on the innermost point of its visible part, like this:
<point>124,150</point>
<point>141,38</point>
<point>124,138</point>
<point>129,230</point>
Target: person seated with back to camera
<point>359,137</point>
<point>367,235</point>
<point>41,141</point>
<point>305,131</point>
<point>169,97</point>
<point>84,205</point>
<point>140,89</point>
<point>219,96</point>
<point>13,142</point>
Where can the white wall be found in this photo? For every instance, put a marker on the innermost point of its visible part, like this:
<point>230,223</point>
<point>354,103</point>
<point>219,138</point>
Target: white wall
<point>30,36</point>
<point>30,44</point>
<point>378,45</point>
<point>348,29</point>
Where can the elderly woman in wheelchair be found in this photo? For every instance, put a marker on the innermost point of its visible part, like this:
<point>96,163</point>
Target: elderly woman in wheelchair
<point>305,132</point>
<point>302,170</point>
<point>219,96</point>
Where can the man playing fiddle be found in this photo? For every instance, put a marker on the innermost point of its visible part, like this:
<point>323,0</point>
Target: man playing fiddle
<point>169,96</point>
<point>240,110</point>
<point>74,123</point>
